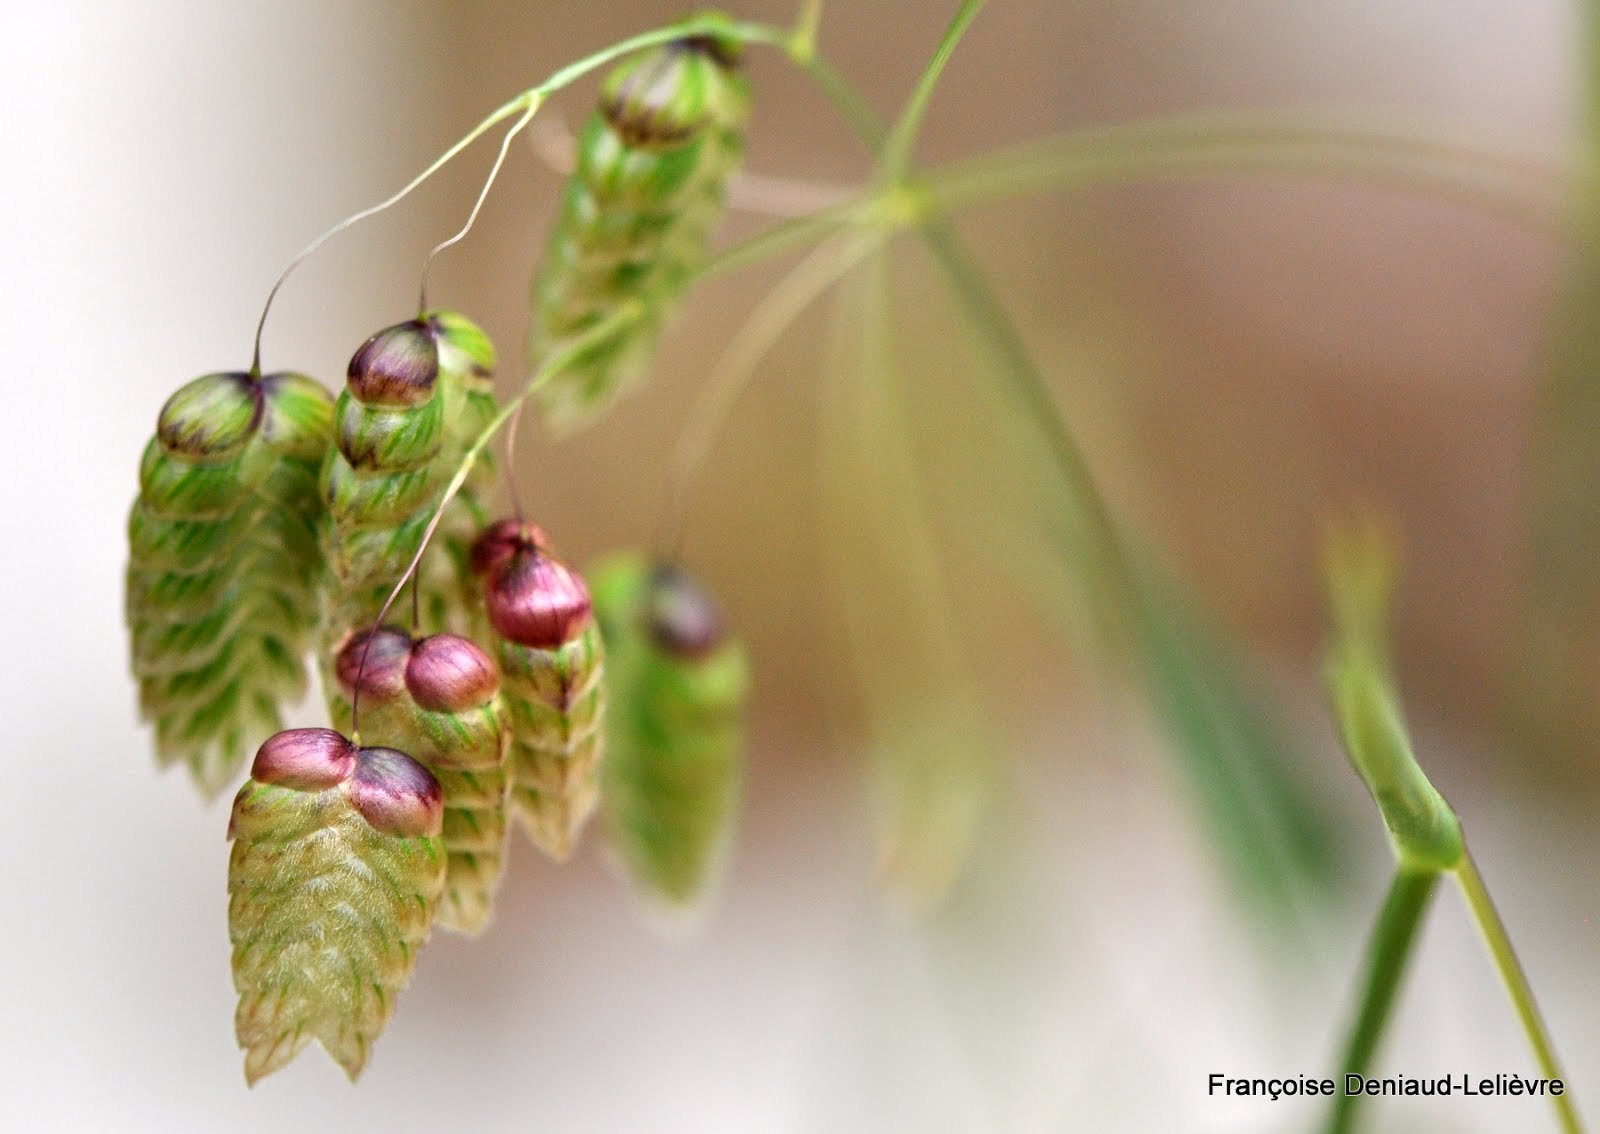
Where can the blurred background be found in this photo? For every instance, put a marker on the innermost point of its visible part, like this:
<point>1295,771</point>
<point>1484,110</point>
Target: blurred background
<point>1237,355</point>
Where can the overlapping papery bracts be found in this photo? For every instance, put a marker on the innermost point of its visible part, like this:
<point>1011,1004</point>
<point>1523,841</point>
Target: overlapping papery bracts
<point>467,362</point>
<point>638,212</point>
<point>333,880</point>
<point>223,564</point>
<point>677,682</point>
<point>438,699</point>
<point>382,477</point>
<point>551,664</point>
<point>417,395</point>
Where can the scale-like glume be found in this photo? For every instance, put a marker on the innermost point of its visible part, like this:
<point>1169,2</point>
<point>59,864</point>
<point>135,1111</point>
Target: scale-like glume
<point>552,661</point>
<point>438,700</point>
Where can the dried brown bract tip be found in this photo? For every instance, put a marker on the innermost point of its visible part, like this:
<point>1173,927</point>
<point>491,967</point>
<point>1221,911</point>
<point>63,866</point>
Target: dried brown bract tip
<point>398,366</point>
<point>450,674</point>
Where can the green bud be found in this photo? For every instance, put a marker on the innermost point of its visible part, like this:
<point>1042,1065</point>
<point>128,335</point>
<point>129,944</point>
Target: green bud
<point>212,417</point>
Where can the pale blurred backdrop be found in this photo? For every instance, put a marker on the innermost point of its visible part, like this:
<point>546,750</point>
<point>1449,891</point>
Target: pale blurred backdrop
<point>1238,355</point>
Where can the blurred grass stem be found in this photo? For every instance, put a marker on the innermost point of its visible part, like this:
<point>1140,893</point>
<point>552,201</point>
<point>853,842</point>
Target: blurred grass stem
<point>1275,143</point>
<point>1517,986</point>
<point>715,397</point>
<point>1388,952</point>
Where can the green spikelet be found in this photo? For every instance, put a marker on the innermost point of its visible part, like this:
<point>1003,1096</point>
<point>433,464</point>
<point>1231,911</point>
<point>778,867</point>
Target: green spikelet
<point>467,362</point>
<point>438,698</point>
<point>551,660</point>
<point>383,478</point>
<point>335,872</point>
<point>637,215</point>
<point>677,684</point>
<point>223,564</point>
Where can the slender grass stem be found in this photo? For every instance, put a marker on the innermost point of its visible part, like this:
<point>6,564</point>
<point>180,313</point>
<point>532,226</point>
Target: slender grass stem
<point>524,101</point>
<point>1517,986</point>
<point>895,158</point>
<point>852,106</point>
<point>477,206</point>
<point>734,369</point>
<point>529,102</point>
<point>803,40</point>
<point>1388,952</point>
<point>1272,143</point>
<point>1418,158</point>
<point>783,237</point>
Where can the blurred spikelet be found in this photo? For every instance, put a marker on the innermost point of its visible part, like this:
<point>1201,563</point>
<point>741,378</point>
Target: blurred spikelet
<point>675,733</point>
<point>639,209</point>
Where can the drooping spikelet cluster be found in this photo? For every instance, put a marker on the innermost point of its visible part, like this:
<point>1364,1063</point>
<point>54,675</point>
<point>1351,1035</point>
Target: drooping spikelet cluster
<point>274,521</point>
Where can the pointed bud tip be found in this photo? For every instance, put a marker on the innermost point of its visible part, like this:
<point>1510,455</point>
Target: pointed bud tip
<point>395,794</point>
<point>450,674</point>
<point>535,600</point>
<point>659,99</point>
<point>379,669</point>
<point>398,366</point>
<point>305,759</point>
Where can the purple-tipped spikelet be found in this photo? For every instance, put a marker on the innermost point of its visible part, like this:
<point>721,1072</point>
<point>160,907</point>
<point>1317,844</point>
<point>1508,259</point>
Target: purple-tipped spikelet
<point>335,873</point>
<point>551,663</point>
<point>223,564</point>
<point>637,216</point>
<point>438,698</point>
<point>382,477</point>
<point>417,395</point>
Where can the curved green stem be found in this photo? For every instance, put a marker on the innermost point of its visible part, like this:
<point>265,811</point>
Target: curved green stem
<point>791,234</point>
<point>477,206</point>
<point>528,103</point>
<point>852,106</point>
<point>1388,952</point>
<point>1517,986</point>
<point>895,160</point>
<point>1273,143</point>
<point>499,114</point>
<point>1420,158</point>
<point>803,40</point>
